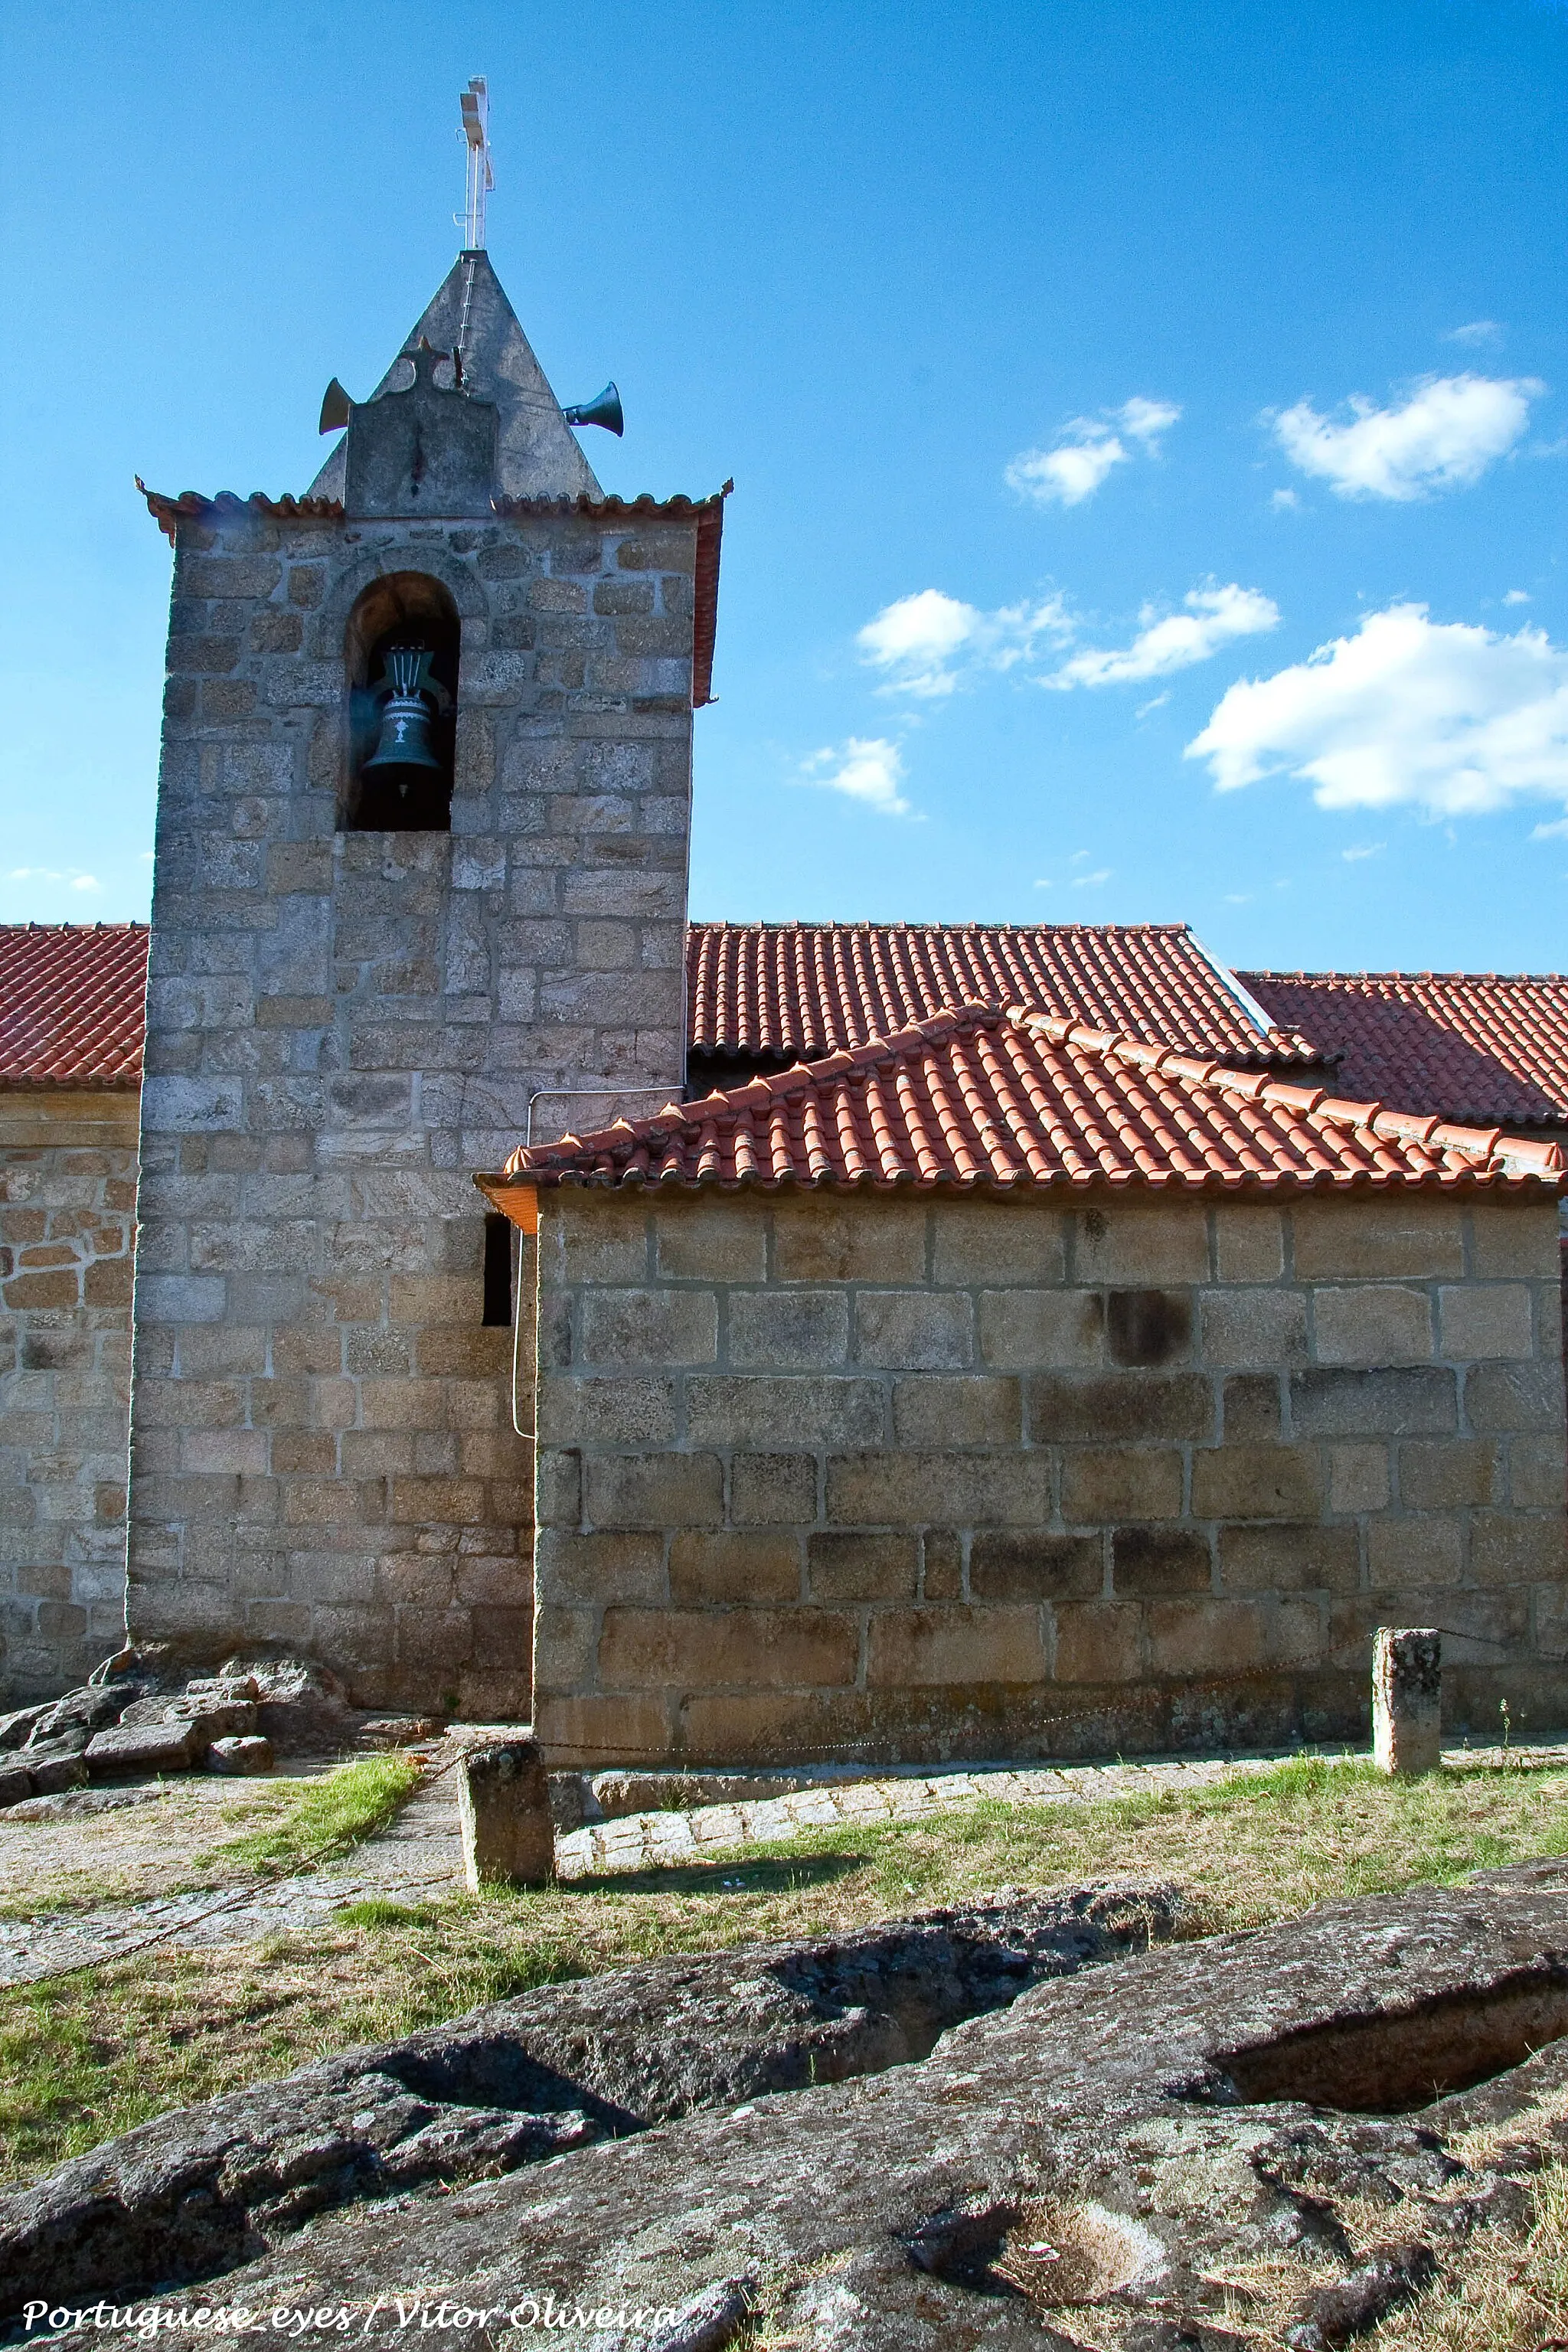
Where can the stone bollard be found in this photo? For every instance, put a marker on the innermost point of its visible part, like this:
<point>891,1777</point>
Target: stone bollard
<point>503,1801</point>
<point>1407,1698</point>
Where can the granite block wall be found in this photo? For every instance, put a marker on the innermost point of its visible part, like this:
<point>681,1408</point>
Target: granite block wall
<point>68,1208</point>
<point>826,1475</point>
<point>341,1025</point>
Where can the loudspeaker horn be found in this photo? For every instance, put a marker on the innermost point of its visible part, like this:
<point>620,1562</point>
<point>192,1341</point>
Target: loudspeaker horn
<point>335,406</point>
<point>605,410</point>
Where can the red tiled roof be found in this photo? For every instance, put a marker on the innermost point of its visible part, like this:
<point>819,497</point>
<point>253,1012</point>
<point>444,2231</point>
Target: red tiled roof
<point>786,990</point>
<point>1467,1045</point>
<point>981,1098</point>
<point>71,1003</point>
<point>168,513</point>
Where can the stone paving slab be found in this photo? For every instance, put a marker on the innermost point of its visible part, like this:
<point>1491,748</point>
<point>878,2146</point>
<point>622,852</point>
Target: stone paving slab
<point>656,1841</point>
<point>651,1841</point>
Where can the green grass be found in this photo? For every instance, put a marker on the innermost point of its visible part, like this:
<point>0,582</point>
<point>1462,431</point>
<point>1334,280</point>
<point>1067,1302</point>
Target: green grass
<point>330,1816</point>
<point>292,1825</point>
<point>89,2055</point>
<point>380,1911</point>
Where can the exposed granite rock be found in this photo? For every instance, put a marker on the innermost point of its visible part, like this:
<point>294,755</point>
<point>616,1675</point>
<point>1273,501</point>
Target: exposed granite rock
<point>38,1752</point>
<point>214,1718</point>
<point>298,1706</point>
<point>14,1727</point>
<point>144,1747</point>
<point>67,1726</point>
<point>198,2190</point>
<point>240,1755</point>
<point>81,1804</point>
<point>41,1747</point>
<point>140,1714</point>
<point>397,1730</point>
<point>82,1711</point>
<point>1115,2140</point>
<point>301,1709</point>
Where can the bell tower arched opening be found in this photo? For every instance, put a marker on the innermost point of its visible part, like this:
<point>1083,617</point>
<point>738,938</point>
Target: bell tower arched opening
<point>401,654</point>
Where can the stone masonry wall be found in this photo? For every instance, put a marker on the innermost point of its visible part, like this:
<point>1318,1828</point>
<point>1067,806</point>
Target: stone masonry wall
<point>342,1027</point>
<point>860,1477</point>
<point>68,1210</point>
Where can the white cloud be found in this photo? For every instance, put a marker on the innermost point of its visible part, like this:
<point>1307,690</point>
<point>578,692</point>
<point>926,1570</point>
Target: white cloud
<point>868,769</point>
<point>76,880</point>
<point>917,637</point>
<point>1069,473</point>
<point>1147,419</point>
<point>1447,717</point>
<point>929,644</point>
<point>1086,451</point>
<point>1285,501</point>
<point>1091,881</point>
<point>1479,331</point>
<point>922,643</point>
<point>1517,596</point>
<point>1446,434</point>
<point>1213,617</point>
<point>1363,849</point>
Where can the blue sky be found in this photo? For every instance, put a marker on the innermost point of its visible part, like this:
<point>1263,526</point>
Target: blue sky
<point>1062,579</point>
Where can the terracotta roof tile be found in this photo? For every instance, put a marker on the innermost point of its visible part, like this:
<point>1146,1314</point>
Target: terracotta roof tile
<point>977,1099</point>
<point>191,505</point>
<point>71,1003</point>
<point>1467,1045</point>
<point>776,991</point>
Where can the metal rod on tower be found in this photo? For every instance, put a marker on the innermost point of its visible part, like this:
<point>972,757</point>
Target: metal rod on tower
<point>476,105</point>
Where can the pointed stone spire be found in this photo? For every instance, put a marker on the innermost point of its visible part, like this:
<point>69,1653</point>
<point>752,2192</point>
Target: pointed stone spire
<point>537,456</point>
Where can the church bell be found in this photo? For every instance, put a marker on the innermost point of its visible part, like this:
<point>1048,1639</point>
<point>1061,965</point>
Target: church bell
<point>406,691</point>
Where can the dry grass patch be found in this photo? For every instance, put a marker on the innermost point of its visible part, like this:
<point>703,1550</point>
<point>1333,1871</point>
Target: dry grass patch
<point>88,2055</point>
<point>1500,2291</point>
<point>166,1846</point>
<point>85,2056</point>
<point>127,1855</point>
<point>1509,2296</point>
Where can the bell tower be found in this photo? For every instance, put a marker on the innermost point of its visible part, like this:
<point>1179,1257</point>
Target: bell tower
<point>420,888</point>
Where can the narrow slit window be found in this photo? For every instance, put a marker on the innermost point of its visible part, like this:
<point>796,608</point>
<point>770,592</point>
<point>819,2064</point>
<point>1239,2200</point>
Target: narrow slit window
<point>497,1270</point>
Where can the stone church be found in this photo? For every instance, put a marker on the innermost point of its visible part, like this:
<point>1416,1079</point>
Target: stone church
<point>941,1340</point>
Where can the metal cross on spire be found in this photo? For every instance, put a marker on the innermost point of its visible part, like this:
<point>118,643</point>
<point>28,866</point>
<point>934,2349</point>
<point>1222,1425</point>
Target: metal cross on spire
<point>476,105</point>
